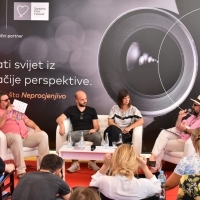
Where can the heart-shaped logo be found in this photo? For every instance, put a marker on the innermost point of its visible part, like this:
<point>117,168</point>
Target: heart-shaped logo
<point>22,10</point>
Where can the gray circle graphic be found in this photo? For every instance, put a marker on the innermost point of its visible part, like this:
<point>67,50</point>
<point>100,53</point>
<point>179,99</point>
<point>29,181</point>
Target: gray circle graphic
<point>177,68</point>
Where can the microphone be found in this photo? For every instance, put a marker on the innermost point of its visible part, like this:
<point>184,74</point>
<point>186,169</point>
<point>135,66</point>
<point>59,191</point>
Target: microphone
<point>93,147</point>
<point>189,110</point>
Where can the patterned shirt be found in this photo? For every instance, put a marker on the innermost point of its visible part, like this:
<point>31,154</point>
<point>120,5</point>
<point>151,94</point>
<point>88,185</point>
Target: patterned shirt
<point>15,123</point>
<point>126,118</point>
<point>189,187</point>
<point>188,165</point>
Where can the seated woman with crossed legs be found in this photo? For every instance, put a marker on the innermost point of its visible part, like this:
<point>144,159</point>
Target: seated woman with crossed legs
<point>123,118</point>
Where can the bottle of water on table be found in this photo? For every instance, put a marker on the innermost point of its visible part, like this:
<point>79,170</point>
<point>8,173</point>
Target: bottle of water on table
<point>69,140</point>
<point>82,141</point>
<point>120,141</point>
<point>162,179</point>
<point>106,142</point>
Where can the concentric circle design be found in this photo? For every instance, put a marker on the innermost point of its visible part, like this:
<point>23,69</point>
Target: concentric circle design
<point>147,27</point>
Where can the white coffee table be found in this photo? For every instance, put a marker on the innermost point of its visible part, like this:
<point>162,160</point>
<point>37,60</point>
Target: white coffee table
<point>85,154</point>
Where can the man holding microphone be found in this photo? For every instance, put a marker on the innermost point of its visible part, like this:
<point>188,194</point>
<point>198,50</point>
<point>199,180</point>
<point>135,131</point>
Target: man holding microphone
<point>176,137</point>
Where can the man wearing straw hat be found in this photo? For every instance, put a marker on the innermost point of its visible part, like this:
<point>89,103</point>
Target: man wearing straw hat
<point>176,137</point>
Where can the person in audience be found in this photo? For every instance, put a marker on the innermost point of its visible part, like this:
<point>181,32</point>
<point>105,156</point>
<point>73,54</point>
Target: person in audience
<point>167,140</point>
<point>121,183</point>
<point>15,127</point>
<point>45,183</point>
<point>5,167</point>
<point>82,193</point>
<point>189,187</point>
<point>84,119</point>
<point>187,165</point>
<point>123,118</point>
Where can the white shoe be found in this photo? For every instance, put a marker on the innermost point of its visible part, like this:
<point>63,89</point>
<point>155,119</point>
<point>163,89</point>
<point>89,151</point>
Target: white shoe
<point>74,167</point>
<point>93,166</point>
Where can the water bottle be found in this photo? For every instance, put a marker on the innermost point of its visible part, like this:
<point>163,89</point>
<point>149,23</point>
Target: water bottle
<point>106,142</point>
<point>162,179</point>
<point>120,139</point>
<point>69,141</point>
<point>82,142</point>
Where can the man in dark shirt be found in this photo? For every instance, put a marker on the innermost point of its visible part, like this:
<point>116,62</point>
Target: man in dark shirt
<point>84,119</point>
<point>45,184</point>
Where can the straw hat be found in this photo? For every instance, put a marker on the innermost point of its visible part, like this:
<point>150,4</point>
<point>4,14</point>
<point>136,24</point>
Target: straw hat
<point>197,101</point>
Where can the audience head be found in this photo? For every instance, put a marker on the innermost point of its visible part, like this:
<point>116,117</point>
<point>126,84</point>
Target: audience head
<point>81,98</point>
<point>2,93</point>
<point>52,163</point>
<point>4,100</point>
<point>195,137</point>
<point>82,193</point>
<point>123,98</point>
<point>124,161</point>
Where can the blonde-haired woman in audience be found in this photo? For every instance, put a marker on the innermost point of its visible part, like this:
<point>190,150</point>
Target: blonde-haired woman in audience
<point>187,165</point>
<point>121,184</point>
<point>82,193</point>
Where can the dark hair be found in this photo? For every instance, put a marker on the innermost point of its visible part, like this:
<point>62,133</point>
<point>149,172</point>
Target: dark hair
<point>51,162</point>
<point>121,94</point>
<point>82,193</point>
<point>2,93</point>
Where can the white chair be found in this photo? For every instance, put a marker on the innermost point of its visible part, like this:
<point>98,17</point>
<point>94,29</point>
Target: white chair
<point>103,123</point>
<point>6,154</point>
<point>175,157</point>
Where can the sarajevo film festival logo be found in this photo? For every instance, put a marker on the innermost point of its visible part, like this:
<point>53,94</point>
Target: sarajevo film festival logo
<point>31,11</point>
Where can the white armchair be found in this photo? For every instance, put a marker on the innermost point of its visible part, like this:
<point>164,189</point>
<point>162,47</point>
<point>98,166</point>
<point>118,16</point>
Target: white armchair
<point>103,123</point>
<point>175,157</point>
<point>6,154</point>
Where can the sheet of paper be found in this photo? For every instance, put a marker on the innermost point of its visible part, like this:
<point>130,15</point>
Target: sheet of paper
<point>19,106</point>
<point>176,133</point>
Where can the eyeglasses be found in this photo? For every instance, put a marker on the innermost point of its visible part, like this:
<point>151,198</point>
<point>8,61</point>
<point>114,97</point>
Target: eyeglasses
<point>81,116</point>
<point>195,104</point>
<point>6,100</point>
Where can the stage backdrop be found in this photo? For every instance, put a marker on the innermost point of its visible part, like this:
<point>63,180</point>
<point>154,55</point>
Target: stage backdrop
<point>51,49</point>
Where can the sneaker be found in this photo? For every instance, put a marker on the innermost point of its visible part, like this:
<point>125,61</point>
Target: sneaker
<point>74,167</point>
<point>21,175</point>
<point>93,166</point>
